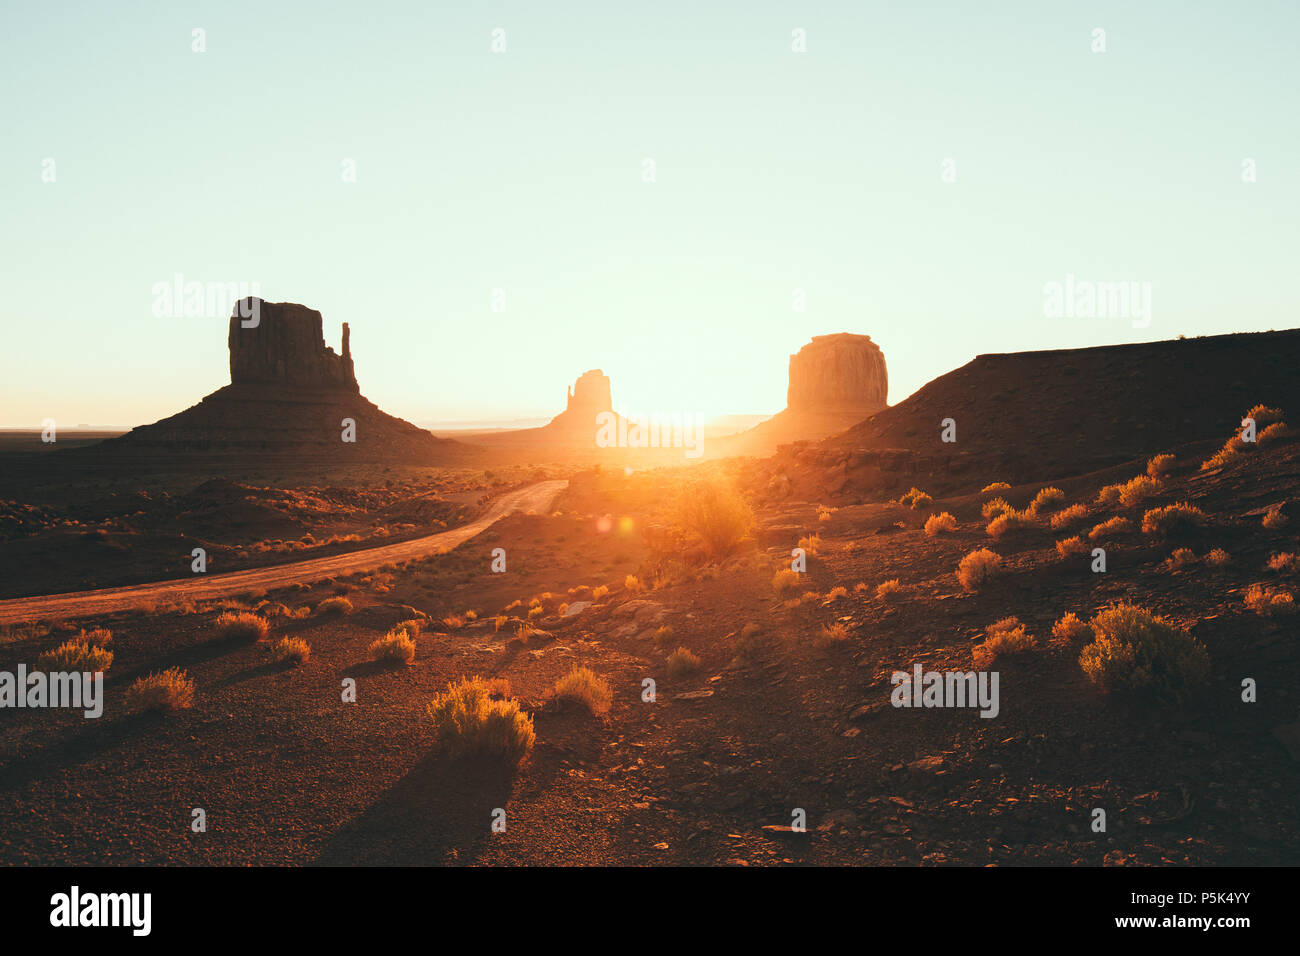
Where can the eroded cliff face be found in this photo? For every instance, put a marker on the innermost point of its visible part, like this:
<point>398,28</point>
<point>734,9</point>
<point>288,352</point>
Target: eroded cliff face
<point>843,373</point>
<point>286,346</point>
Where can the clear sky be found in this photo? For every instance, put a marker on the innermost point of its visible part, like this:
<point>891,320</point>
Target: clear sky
<point>523,171</point>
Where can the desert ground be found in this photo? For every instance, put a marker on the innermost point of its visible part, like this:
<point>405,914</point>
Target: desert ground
<point>772,690</point>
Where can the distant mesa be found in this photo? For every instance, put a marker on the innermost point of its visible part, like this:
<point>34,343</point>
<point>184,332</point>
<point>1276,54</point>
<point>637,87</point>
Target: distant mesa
<point>589,397</point>
<point>835,382</point>
<point>835,374</point>
<point>288,396</point>
<point>282,343</point>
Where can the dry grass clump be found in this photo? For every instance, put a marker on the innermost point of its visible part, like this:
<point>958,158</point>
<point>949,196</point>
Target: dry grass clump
<point>453,622</point>
<point>1272,434</point>
<point>714,513</point>
<point>1070,629</point>
<point>786,579</point>
<point>1273,518</point>
<point>334,607</point>
<point>413,628</point>
<point>475,717</point>
<point>682,662</point>
<point>1108,496</point>
<point>824,513</point>
<point>96,636</point>
<point>888,590</point>
<point>632,583</point>
<point>940,523</point>
<point>583,687</point>
<point>994,507</point>
<point>1160,465</point>
<point>1264,416</point>
<point>1110,528</point>
<point>1046,501</point>
<point>1137,490</point>
<point>291,650</point>
<point>1267,601</point>
<point>837,592</point>
<point>1068,547</point>
<point>1282,562</point>
<point>1218,558</point>
<point>1181,558</point>
<point>978,567</point>
<point>663,634</point>
<point>599,592</point>
<point>166,691</point>
<point>995,486</point>
<point>810,543</point>
<point>395,647</point>
<point>1173,518</point>
<point>1137,651</point>
<point>242,625</point>
<point>75,655</point>
<point>1002,639</point>
<point>916,498</point>
<point>1231,448</point>
<point>1068,516</point>
<point>1010,521</point>
<point>832,635</point>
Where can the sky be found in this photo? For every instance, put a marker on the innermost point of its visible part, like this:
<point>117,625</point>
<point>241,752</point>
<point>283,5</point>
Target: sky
<point>488,224</point>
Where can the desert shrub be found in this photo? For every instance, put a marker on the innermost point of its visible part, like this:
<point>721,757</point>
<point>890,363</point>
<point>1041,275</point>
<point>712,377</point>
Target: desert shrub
<point>1282,562</point>
<point>811,543</point>
<point>832,635</point>
<point>1137,490</point>
<point>599,592</point>
<point>1137,651</point>
<point>334,606</point>
<point>1218,558</point>
<point>940,523</point>
<point>535,612</point>
<point>468,720</point>
<point>1108,497</point>
<point>1068,516</point>
<point>1173,518</point>
<point>1160,465</point>
<point>1046,501</point>
<point>1268,601</point>
<point>835,593</point>
<point>922,501</point>
<point>632,583</point>
<point>995,486</point>
<point>75,655</point>
<point>715,514</point>
<point>663,634</point>
<point>824,513</point>
<point>452,622</point>
<point>1067,547</point>
<point>242,626</point>
<point>682,662</point>
<point>860,586</point>
<point>1231,448</point>
<point>1070,628</point>
<point>1181,558</point>
<point>1002,638</point>
<point>273,609</point>
<point>911,495</point>
<point>412,628</point>
<point>994,507</point>
<point>165,691</point>
<point>291,650</point>
<point>1010,521</point>
<point>751,641</point>
<point>888,590</point>
<point>978,567</point>
<point>1273,518</point>
<point>1272,434</point>
<point>395,647</point>
<point>96,636</point>
<point>1110,528</point>
<point>1264,416</point>
<point>497,623</point>
<point>582,687</point>
<point>786,579</point>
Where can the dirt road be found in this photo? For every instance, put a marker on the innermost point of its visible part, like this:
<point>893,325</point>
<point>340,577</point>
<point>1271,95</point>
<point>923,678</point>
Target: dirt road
<point>536,497</point>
